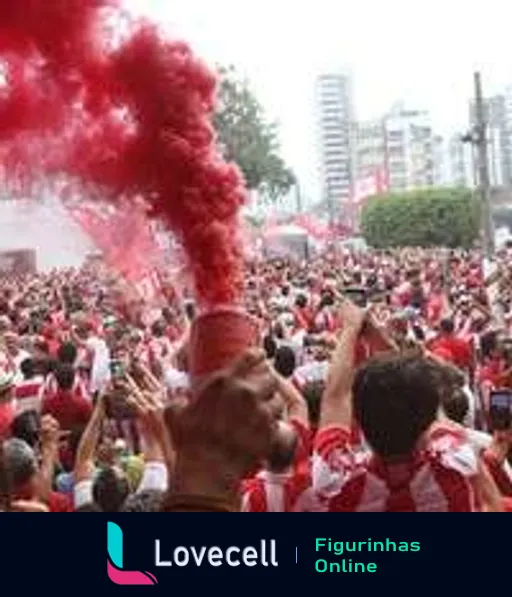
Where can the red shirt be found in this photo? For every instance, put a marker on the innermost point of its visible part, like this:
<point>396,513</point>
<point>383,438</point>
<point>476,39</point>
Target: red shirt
<point>6,418</point>
<point>492,372</point>
<point>68,408</point>
<point>304,318</point>
<point>434,308</point>
<point>459,349</point>
<point>58,502</point>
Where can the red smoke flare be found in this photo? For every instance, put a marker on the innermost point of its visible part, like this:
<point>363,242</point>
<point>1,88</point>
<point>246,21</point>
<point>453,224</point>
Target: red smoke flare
<point>135,121</point>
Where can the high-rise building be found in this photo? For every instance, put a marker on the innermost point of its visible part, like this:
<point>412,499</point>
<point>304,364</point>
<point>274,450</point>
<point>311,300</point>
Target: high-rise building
<point>333,98</point>
<point>410,149</point>
<point>371,151</point>
<point>461,163</point>
<point>402,145</point>
<point>498,115</point>
<point>453,162</point>
<point>440,159</point>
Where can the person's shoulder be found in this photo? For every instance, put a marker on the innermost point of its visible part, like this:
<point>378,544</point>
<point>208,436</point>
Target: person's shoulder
<point>332,437</point>
<point>480,439</point>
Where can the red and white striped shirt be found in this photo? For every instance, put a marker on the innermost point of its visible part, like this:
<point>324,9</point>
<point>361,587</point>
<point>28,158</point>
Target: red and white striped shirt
<point>436,479</point>
<point>28,395</point>
<point>79,389</point>
<point>287,492</point>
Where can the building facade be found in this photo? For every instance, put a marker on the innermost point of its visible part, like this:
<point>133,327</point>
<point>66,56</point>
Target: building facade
<point>371,151</point>
<point>410,149</point>
<point>498,115</point>
<point>334,115</point>
<point>402,145</point>
<point>454,164</point>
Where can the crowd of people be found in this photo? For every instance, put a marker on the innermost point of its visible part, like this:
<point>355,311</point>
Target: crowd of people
<point>369,391</point>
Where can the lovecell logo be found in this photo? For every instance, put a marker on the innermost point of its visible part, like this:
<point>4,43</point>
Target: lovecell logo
<point>115,561</point>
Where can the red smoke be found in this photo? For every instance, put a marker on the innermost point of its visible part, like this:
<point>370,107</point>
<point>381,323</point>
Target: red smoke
<point>126,123</point>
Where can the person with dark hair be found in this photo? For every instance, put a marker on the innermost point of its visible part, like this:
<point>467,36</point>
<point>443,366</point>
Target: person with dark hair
<point>493,371</point>
<point>149,500</point>
<point>26,427</point>
<point>108,486</point>
<point>303,314</point>
<point>312,392</point>
<point>67,353</point>
<point>28,392</point>
<point>91,507</point>
<point>29,480</point>
<point>415,462</point>
<point>285,361</point>
<point>324,320</point>
<point>284,484</point>
<point>66,405</point>
<point>493,449</point>
<point>452,348</point>
<point>110,489</point>
<point>269,346</point>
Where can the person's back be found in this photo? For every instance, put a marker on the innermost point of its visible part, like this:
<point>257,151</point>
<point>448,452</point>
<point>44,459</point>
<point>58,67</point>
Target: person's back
<point>285,484</point>
<point>67,406</point>
<point>28,392</point>
<point>447,342</point>
<point>417,464</point>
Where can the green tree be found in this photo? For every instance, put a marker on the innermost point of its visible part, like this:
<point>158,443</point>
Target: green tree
<point>426,218</point>
<point>248,139</point>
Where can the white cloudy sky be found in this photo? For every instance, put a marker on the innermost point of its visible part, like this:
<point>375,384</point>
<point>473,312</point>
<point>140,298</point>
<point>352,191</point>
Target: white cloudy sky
<point>424,52</point>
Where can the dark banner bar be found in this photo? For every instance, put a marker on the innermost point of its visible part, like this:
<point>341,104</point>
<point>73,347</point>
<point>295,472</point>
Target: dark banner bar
<point>203,554</point>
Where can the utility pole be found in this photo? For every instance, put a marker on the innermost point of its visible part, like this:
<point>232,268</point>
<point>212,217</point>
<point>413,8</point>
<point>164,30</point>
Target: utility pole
<point>480,141</point>
<point>298,197</point>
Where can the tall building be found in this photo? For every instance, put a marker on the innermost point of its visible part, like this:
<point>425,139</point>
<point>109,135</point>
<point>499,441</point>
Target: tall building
<point>410,149</point>
<point>453,162</point>
<point>461,163</point>
<point>507,142</point>
<point>498,115</point>
<point>401,144</point>
<point>371,151</point>
<point>333,99</point>
<point>441,161</point>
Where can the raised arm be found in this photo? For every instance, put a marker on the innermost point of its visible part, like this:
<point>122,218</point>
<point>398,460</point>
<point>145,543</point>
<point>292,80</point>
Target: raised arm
<point>336,406</point>
<point>84,463</point>
<point>50,435</point>
<point>294,401</point>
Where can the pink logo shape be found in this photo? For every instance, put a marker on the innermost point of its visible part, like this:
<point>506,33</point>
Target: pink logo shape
<point>129,577</point>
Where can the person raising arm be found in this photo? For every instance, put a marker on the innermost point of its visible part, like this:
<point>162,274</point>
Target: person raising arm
<point>337,400</point>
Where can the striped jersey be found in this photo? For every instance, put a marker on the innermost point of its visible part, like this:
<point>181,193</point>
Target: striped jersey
<point>437,478</point>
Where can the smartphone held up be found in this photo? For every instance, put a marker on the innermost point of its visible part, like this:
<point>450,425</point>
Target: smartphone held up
<point>501,410</point>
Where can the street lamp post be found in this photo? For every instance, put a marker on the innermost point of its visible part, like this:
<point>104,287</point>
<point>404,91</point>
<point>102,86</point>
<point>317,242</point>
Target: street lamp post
<point>478,138</point>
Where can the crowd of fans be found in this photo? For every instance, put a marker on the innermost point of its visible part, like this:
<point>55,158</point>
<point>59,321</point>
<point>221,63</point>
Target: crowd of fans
<point>369,391</point>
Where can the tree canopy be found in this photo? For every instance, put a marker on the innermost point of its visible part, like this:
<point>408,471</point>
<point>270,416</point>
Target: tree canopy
<point>248,139</point>
<point>426,218</point>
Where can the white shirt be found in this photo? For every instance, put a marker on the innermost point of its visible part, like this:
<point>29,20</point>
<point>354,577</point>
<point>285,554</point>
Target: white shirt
<point>481,441</point>
<point>17,360</point>
<point>311,372</point>
<point>176,380</point>
<point>100,373</point>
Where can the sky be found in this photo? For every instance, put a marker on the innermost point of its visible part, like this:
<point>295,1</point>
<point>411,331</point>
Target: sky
<point>423,53</point>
